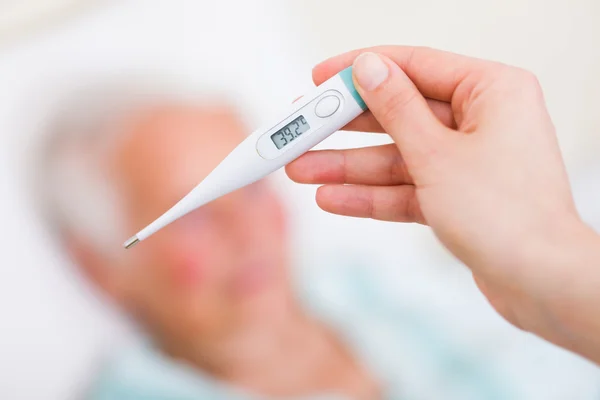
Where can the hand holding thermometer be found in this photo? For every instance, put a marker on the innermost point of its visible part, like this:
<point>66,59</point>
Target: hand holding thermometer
<point>313,118</point>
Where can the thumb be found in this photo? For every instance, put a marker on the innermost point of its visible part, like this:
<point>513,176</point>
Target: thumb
<point>397,105</point>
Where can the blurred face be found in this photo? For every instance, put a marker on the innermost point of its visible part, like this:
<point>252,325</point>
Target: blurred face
<point>221,267</point>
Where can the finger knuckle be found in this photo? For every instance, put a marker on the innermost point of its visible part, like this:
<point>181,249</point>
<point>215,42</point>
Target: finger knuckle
<point>371,210</point>
<point>523,80</point>
<point>527,77</point>
<point>397,168</point>
<point>413,209</point>
<point>529,80</point>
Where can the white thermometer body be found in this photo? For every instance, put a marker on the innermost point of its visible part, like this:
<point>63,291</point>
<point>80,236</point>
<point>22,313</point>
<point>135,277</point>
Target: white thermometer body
<point>309,121</point>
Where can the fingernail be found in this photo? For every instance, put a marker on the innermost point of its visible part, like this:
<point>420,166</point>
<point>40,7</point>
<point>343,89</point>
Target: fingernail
<point>370,71</point>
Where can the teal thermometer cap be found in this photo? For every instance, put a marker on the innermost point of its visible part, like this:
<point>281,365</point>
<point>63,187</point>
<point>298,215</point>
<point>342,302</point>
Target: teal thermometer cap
<point>346,76</point>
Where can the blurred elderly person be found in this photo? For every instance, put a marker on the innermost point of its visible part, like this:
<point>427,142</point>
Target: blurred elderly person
<point>214,293</point>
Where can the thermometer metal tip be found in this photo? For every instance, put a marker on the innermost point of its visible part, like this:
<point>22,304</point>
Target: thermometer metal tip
<point>132,241</point>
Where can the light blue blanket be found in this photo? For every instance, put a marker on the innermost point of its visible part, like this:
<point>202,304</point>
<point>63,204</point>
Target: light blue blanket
<point>411,358</point>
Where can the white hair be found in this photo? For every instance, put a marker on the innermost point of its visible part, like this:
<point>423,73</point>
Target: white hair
<point>72,182</point>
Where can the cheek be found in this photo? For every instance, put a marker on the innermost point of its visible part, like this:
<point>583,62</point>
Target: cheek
<point>280,219</point>
<point>188,268</point>
<point>273,211</point>
<point>190,272</point>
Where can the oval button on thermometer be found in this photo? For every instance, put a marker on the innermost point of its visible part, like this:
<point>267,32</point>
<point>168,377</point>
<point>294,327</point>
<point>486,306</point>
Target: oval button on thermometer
<point>328,108</point>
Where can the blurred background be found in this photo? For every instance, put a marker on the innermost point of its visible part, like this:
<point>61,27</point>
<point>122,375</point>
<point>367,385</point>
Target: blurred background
<point>260,52</point>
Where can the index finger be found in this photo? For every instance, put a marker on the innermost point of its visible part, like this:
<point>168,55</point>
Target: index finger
<point>366,122</point>
<point>435,73</point>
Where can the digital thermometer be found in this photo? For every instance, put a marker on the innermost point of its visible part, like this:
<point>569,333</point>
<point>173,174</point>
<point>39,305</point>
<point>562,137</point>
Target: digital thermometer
<point>309,121</point>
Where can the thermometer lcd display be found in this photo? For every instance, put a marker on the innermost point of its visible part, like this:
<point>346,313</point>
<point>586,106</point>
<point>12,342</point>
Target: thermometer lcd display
<point>290,132</point>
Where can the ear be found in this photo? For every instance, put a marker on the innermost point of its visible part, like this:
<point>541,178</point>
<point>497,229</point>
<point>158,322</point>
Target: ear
<point>96,267</point>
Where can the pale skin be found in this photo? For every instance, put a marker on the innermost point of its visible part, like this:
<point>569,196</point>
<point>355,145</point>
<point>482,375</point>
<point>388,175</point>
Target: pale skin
<point>212,289</point>
<point>475,157</point>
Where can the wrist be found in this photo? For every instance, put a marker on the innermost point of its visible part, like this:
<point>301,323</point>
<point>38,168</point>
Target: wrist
<point>567,288</point>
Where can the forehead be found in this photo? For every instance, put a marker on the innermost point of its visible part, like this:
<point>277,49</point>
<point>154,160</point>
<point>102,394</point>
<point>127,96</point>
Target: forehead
<point>166,151</point>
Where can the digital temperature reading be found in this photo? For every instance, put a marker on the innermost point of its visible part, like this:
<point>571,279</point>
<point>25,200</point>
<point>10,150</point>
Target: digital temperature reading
<point>290,132</point>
